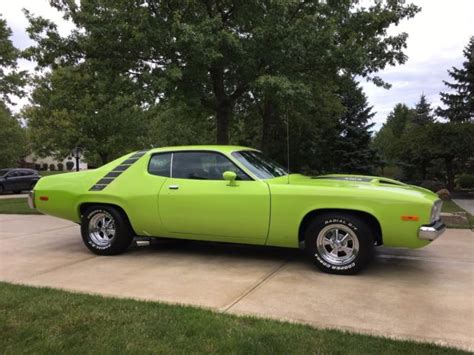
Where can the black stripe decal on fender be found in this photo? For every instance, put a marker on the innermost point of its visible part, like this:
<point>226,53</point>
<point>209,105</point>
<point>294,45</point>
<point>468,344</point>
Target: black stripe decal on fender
<point>117,171</point>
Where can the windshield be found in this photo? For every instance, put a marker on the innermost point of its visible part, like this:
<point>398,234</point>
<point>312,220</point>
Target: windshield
<point>261,166</point>
<point>4,171</point>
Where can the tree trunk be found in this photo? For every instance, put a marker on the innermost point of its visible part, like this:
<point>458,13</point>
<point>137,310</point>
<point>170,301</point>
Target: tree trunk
<point>268,123</point>
<point>449,173</point>
<point>222,123</point>
<point>223,106</point>
<point>104,157</point>
<point>423,169</point>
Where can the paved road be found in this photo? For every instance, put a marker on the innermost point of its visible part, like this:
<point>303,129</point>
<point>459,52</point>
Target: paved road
<point>468,205</point>
<point>425,294</point>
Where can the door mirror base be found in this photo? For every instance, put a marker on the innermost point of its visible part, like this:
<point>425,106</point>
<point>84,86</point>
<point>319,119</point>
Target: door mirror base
<point>230,176</point>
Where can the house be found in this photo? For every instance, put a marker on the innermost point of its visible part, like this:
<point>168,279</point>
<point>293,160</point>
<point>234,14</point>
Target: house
<point>50,163</point>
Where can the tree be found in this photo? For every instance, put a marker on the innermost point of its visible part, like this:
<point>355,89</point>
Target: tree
<point>460,103</point>
<point>453,142</point>
<point>425,150</point>
<point>13,145</point>
<point>12,136</point>
<point>11,80</point>
<point>228,55</point>
<point>388,139</point>
<point>423,112</point>
<point>353,150</point>
<point>76,106</point>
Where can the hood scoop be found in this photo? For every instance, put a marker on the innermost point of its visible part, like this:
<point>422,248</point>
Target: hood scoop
<point>344,178</point>
<point>361,178</point>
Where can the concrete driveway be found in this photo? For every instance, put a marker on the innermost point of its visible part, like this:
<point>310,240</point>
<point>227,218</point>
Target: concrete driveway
<point>425,294</point>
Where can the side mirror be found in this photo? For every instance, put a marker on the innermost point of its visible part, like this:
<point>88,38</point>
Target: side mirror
<point>230,176</point>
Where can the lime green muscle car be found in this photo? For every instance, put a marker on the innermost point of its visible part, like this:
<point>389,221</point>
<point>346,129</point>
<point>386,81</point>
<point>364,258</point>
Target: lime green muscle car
<point>235,194</point>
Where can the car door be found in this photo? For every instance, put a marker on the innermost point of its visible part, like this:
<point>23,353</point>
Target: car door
<point>12,181</point>
<point>196,200</point>
<point>24,179</point>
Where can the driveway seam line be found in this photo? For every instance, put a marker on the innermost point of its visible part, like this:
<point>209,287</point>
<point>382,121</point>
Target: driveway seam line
<point>42,232</point>
<point>258,284</point>
<point>57,267</point>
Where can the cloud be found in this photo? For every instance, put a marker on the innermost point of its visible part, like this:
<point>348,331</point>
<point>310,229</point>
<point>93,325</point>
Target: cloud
<point>437,37</point>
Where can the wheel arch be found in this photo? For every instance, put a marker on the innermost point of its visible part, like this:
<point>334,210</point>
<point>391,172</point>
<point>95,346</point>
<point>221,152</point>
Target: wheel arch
<point>85,205</point>
<point>366,216</point>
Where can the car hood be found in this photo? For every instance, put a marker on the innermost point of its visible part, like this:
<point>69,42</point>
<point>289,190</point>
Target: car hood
<point>363,182</point>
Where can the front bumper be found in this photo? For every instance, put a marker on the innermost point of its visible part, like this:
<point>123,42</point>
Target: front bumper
<point>431,231</point>
<point>31,200</point>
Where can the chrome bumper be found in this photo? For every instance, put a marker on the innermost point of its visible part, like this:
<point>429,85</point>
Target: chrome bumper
<point>31,199</point>
<point>431,231</point>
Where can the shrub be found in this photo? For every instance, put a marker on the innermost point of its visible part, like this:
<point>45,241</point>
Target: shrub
<point>37,166</point>
<point>60,166</point>
<point>444,194</point>
<point>69,165</point>
<point>52,167</point>
<point>466,181</point>
<point>44,166</point>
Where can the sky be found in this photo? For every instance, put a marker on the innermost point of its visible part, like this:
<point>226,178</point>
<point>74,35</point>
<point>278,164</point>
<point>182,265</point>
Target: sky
<point>436,38</point>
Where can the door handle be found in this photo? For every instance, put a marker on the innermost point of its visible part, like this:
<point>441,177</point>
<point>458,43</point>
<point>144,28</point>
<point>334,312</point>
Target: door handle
<point>173,187</point>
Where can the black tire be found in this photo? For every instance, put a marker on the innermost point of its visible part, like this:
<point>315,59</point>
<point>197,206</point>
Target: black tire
<point>101,242</point>
<point>17,192</point>
<point>345,257</point>
<point>1,189</point>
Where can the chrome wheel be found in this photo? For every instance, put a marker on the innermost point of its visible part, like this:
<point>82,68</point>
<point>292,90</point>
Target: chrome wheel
<point>102,229</point>
<point>337,244</point>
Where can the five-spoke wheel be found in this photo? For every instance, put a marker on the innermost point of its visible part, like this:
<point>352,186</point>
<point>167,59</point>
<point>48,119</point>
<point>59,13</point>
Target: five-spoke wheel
<point>339,243</point>
<point>105,230</point>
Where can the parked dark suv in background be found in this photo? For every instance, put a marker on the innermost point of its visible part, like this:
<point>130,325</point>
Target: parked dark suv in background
<point>18,180</point>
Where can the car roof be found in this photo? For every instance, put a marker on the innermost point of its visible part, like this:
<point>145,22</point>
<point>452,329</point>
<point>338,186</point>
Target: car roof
<point>19,169</point>
<point>218,148</point>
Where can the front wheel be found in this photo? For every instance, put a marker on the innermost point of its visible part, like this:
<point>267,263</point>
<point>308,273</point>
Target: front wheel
<point>339,243</point>
<point>105,230</point>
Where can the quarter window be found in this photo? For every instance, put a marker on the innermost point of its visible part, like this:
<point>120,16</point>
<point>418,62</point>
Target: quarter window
<point>160,164</point>
<point>203,166</point>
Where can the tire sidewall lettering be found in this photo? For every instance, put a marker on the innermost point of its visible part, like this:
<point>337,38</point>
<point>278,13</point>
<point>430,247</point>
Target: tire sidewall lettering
<point>340,221</point>
<point>334,267</point>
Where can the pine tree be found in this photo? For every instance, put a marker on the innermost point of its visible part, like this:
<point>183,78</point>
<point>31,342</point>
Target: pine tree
<point>423,112</point>
<point>460,103</point>
<point>353,150</point>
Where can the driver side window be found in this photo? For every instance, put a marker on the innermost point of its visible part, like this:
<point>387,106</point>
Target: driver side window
<point>203,166</point>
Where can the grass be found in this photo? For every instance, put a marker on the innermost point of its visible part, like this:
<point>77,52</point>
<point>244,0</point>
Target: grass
<point>451,207</point>
<point>47,321</point>
<point>16,206</point>
<point>47,173</point>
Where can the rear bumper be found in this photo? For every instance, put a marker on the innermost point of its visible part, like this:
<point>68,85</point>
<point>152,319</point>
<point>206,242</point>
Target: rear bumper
<point>31,200</point>
<point>432,231</point>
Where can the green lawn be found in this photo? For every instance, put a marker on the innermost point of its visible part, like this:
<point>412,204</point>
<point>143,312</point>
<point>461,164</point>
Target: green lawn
<point>47,173</point>
<point>16,205</point>
<point>47,321</point>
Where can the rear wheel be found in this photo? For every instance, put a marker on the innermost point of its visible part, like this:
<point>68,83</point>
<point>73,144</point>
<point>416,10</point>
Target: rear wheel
<point>1,189</point>
<point>339,243</point>
<point>17,191</point>
<point>105,230</point>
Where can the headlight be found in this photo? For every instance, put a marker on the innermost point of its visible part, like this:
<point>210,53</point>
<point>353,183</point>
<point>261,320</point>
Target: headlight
<point>436,211</point>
